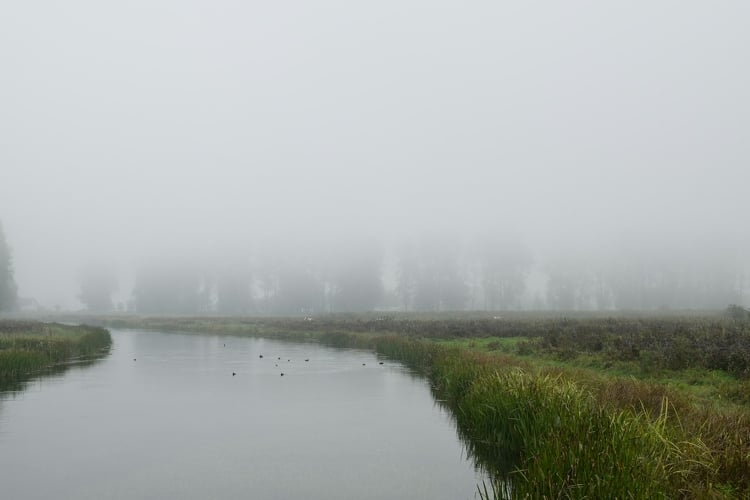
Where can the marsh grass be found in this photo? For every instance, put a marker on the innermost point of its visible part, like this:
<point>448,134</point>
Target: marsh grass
<point>28,347</point>
<point>556,433</point>
<point>16,363</point>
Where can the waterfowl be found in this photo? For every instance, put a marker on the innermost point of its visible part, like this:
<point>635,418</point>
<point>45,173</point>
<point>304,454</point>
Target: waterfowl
<point>233,374</point>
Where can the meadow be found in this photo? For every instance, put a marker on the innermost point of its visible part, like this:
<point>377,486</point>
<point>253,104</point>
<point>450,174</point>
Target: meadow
<point>565,407</point>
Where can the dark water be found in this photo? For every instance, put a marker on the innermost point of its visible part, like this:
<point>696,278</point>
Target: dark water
<point>175,424</point>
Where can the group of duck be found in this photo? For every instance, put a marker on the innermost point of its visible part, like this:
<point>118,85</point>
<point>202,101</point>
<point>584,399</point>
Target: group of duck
<point>260,356</point>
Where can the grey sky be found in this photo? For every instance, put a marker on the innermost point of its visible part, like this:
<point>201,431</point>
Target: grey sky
<point>128,128</point>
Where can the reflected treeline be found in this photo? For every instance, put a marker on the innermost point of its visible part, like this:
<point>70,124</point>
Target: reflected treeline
<point>492,273</point>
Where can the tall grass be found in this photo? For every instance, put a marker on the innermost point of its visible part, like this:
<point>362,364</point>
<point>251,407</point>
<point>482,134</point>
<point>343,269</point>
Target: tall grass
<point>545,435</point>
<point>559,443</point>
<point>16,363</point>
<point>27,347</point>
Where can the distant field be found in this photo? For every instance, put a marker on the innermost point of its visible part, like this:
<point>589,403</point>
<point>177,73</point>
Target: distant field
<point>30,346</point>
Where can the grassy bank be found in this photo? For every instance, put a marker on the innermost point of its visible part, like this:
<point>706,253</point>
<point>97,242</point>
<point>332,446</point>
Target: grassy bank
<point>28,346</point>
<point>555,433</point>
<point>583,408</point>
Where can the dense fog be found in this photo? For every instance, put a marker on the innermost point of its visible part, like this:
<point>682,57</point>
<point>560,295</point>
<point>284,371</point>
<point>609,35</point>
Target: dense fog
<point>309,157</point>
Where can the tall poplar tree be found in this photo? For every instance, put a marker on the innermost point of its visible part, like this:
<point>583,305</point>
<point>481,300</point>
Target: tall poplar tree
<point>7,283</point>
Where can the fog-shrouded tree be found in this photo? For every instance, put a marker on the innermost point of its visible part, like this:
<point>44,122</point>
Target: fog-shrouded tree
<point>357,288</point>
<point>567,285</point>
<point>266,273</point>
<point>407,274</point>
<point>97,282</point>
<point>355,280</point>
<point>676,276</point>
<point>504,265</point>
<point>168,287</point>
<point>234,291</point>
<point>8,297</point>
<point>441,284</point>
<point>289,281</point>
<point>301,291</point>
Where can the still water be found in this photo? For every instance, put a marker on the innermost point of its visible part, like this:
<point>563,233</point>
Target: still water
<point>163,417</point>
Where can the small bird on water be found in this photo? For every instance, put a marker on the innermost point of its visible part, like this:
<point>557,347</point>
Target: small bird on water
<point>233,374</point>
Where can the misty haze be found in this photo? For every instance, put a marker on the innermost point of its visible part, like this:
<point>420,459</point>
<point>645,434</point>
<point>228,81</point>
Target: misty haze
<point>438,202</point>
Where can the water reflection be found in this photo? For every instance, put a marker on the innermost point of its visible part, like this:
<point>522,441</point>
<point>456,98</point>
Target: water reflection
<point>10,387</point>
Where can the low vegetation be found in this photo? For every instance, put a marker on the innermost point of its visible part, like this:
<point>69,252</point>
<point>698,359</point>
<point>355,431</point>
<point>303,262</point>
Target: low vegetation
<point>568,407</point>
<point>27,347</point>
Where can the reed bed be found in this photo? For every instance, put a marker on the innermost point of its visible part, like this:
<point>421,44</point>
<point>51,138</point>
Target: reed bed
<point>27,347</point>
<point>560,434</point>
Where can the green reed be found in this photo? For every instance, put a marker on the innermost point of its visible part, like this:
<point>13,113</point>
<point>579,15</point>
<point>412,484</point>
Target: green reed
<point>546,436</point>
<point>27,347</point>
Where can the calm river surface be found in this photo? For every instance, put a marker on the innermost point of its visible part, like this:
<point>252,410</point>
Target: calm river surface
<point>162,417</point>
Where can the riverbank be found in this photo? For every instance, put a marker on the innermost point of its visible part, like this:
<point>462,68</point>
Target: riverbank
<point>27,347</point>
<point>539,414</point>
<point>556,432</point>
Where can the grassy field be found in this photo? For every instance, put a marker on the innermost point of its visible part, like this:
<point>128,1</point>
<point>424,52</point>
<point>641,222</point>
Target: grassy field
<point>29,346</point>
<point>586,407</point>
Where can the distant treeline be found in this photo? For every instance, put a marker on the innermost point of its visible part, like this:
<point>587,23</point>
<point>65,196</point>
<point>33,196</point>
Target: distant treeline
<point>490,274</point>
